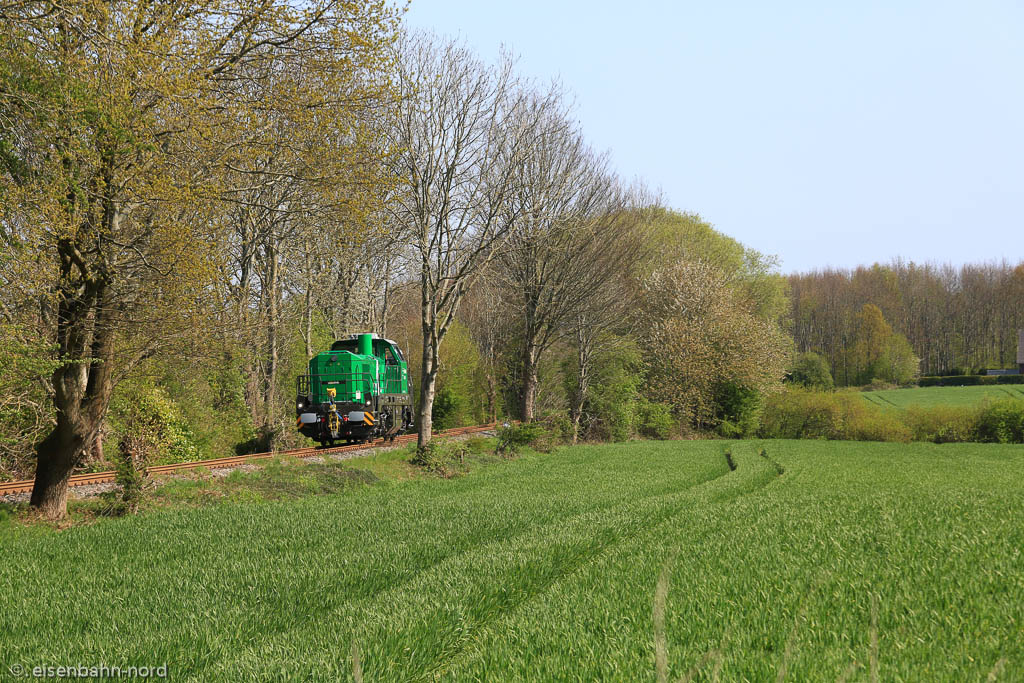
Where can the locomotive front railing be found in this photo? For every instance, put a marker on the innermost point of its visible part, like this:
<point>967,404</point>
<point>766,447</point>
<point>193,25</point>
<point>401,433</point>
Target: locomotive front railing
<point>390,383</point>
<point>314,386</point>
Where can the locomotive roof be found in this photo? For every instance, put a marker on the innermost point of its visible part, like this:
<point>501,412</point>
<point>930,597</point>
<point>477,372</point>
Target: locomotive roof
<point>373,335</point>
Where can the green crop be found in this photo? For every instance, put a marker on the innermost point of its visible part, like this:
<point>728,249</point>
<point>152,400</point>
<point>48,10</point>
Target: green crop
<point>646,561</point>
<point>929,397</point>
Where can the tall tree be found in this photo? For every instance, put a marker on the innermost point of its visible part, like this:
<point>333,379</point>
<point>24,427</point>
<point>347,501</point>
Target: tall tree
<point>565,241</point>
<point>118,117</point>
<point>702,334</point>
<point>462,132</point>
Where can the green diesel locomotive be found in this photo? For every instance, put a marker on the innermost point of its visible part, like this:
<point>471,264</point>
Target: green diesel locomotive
<point>356,392</point>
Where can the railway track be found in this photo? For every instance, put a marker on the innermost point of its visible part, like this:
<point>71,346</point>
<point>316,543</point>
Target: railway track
<point>217,463</point>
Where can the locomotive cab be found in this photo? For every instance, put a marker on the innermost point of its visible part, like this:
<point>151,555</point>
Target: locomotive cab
<point>358,390</point>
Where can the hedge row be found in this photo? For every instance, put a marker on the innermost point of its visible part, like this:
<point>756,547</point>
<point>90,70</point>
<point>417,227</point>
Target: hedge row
<point>804,414</point>
<point>970,380</point>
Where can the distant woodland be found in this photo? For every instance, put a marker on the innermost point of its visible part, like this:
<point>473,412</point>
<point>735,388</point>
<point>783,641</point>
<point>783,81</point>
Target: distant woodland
<point>957,319</point>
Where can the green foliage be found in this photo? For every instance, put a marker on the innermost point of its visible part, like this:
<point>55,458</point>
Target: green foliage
<point>806,414</point>
<point>145,415</point>
<point>513,438</point>
<point>687,236</point>
<point>802,414</point>
<point>443,457</point>
<point>739,410</point>
<point>810,370</point>
<point>612,404</point>
<point>1001,422</point>
<point>700,335</point>
<point>880,353</point>
<point>938,415</point>
<point>942,423</point>
<point>209,395</point>
<point>133,454</point>
<point>26,364</point>
<point>655,420</point>
<point>449,407</point>
<point>460,395</point>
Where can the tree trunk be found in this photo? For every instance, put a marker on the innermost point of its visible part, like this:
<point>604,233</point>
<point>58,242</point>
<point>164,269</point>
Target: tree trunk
<point>531,355</point>
<point>58,453</point>
<point>427,387</point>
<point>582,383</point>
<point>82,384</point>
<point>270,381</point>
<point>81,398</point>
<point>529,397</point>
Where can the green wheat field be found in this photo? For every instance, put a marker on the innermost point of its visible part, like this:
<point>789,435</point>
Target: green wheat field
<point>644,561</point>
<point>930,397</point>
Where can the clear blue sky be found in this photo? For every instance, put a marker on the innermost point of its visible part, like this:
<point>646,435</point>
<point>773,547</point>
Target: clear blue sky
<point>827,133</point>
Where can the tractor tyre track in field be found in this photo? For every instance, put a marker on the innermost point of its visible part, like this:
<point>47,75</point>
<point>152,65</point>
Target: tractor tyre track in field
<point>779,469</point>
<point>608,543</point>
<point>349,593</point>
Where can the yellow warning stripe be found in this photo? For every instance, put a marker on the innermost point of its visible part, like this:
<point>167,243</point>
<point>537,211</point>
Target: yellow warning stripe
<point>368,418</point>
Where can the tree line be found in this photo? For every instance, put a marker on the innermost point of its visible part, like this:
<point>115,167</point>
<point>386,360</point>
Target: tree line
<point>197,196</point>
<point>955,319</point>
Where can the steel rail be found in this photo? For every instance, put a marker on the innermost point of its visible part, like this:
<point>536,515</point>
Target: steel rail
<point>85,478</point>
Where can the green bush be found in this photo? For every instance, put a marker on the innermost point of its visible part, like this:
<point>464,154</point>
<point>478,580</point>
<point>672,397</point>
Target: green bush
<point>1001,422</point>
<point>448,407</point>
<point>801,414</point>
<point>738,410</point>
<point>148,415</point>
<point>941,424</point>
<point>862,421</point>
<point>514,437</point>
<point>26,412</point>
<point>804,414</point>
<point>810,370</point>
<point>610,411</point>
<point>443,457</point>
<point>879,385</point>
<point>655,420</point>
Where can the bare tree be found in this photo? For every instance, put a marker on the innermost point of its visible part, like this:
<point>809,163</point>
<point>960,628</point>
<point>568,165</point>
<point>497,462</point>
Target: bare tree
<point>564,244</point>
<point>462,131</point>
<point>604,308</point>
